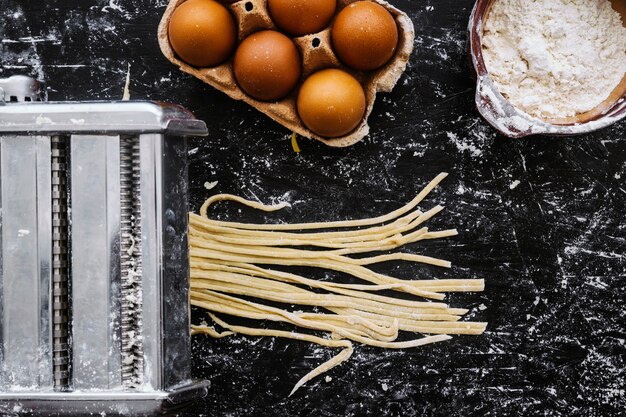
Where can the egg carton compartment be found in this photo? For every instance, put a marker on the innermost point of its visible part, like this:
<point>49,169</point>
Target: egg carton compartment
<point>316,52</point>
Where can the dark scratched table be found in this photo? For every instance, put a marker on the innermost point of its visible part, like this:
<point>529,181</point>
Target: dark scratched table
<point>543,220</point>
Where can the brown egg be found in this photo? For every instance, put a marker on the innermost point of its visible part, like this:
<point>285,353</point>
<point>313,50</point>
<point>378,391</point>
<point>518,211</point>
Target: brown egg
<point>267,65</point>
<point>301,17</point>
<point>364,35</point>
<point>202,32</point>
<point>331,103</point>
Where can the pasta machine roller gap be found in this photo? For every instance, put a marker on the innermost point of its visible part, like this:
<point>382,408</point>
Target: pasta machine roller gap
<point>94,272</point>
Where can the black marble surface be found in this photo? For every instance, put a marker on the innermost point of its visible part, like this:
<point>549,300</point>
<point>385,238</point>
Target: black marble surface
<point>543,220</point>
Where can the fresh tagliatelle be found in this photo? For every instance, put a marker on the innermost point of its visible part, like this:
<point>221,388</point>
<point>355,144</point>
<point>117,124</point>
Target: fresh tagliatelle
<point>232,274</point>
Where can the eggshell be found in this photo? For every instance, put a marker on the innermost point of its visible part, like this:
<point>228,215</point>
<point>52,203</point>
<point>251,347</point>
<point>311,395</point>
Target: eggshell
<point>331,103</point>
<point>202,33</point>
<point>301,17</point>
<point>267,65</point>
<point>364,35</point>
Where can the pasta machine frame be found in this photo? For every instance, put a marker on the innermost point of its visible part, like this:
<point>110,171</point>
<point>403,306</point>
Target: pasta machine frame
<point>94,272</point>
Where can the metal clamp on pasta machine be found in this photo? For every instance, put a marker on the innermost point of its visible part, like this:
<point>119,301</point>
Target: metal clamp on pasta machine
<point>94,307</point>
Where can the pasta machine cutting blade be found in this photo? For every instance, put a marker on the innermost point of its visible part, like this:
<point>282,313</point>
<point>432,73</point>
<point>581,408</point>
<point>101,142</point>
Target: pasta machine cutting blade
<point>94,272</point>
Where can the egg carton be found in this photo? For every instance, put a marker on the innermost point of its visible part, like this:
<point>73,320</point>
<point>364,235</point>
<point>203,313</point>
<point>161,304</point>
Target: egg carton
<point>316,52</point>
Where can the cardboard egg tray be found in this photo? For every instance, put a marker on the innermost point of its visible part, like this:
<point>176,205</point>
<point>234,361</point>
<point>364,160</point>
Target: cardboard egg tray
<point>316,52</point>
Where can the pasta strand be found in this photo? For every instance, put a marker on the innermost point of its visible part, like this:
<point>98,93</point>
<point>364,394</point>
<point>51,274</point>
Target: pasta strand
<point>232,273</point>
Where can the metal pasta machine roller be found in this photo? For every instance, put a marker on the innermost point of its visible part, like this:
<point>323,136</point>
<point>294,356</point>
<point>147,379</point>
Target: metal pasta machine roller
<point>94,307</point>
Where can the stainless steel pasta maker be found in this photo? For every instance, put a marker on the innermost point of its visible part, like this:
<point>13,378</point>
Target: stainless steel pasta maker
<point>94,306</point>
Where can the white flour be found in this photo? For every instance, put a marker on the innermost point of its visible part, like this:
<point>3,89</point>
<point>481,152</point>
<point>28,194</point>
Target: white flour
<point>555,58</point>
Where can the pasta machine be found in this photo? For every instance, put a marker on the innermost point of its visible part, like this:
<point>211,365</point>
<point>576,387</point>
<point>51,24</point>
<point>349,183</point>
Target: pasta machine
<point>94,306</point>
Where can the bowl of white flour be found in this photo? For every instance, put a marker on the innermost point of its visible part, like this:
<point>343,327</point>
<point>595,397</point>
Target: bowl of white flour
<point>554,67</point>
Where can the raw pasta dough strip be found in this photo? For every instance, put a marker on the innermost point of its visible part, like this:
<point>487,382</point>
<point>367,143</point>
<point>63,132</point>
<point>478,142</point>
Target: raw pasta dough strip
<point>238,307</point>
<point>404,223</point>
<point>366,247</point>
<point>304,297</point>
<point>392,241</point>
<point>351,269</point>
<point>251,331</point>
<point>310,324</point>
<point>341,357</point>
<point>456,285</point>
<point>437,327</point>
<point>441,234</point>
<point>425,326</point>
<point>277,286</point>
<point>368,336</point>
<point>461,327</point>
<point>224,254</point>
<point>331,239</point>
<point>242,308</point>
<point>376,331</point>
<point>415,326</point>
<point>323,225</point>
<point>371,234</point>
<point>344,315</point>
<point>386,244</point>
<point>355,290</point>
<point>253,270</point>
<point>248,276</point>
<point>235,285</point>
<point>355,270</point>
<point>365,330</point>
<point>209,331</point>
<point>351,235</point>
<point>282,253</point>
<point>321,300</point>
<point>399,257</point>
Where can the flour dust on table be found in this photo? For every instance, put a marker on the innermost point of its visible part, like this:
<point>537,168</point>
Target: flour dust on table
<point>540,219</point>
